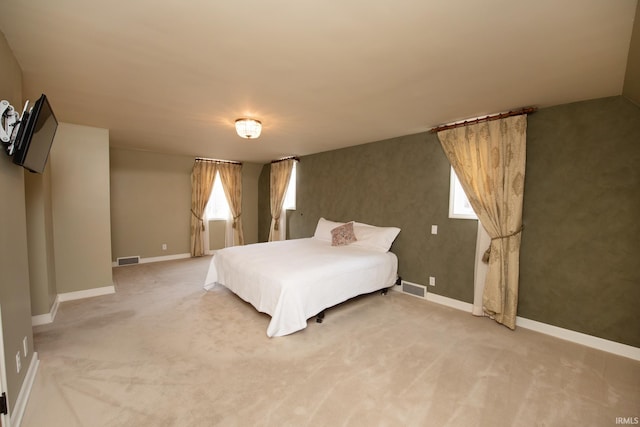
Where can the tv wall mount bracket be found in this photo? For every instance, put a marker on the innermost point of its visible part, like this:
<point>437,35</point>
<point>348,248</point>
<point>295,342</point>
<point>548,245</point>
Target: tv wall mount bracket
<point>9,124</point>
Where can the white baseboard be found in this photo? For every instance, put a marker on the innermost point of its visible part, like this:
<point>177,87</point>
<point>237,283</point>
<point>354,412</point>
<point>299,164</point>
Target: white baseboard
<point>439,299</point>
<point>87,293</point>
<point>450,302</point>
<point>43,319</point>
<point>156,259</point>
<point>17,412</point>
<point>554,331</point>
<point>580,338</point>
<point>164,258</point>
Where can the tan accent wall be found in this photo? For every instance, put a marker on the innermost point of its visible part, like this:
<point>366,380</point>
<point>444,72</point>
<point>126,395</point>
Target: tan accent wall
<point>579,256</point>
<point>250,177</point>
<point>79,163</point>
<point>15,305</point>
<point>632,77</point>
<point>150,203</point>
<point>401,182</point>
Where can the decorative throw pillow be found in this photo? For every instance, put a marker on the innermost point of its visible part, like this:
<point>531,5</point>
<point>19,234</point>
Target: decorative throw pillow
<point>343,235</point>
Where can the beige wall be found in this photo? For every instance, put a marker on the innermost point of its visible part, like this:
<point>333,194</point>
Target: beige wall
<point>150,203</point>
<point>79,163</point>
<point>217,230</point>
<point>40,241</point>
<point>632,78</point>
<point>150,199</point>
<point>14,271</point>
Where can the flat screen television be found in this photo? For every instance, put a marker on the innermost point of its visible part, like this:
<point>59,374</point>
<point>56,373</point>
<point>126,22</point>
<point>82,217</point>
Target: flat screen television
<point>35,136</point>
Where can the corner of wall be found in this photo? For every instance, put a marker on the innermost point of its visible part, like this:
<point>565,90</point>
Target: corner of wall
<point>631,88</point>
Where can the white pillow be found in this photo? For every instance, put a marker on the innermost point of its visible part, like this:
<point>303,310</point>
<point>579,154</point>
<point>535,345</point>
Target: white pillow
<point>375,238</point>
<point>323,229</point>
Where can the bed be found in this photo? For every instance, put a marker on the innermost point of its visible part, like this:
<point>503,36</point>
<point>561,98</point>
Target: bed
<point>297,279</point>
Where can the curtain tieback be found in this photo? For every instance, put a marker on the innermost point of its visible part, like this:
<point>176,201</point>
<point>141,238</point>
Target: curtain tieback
<point>276,227</point>
<point>487,253</point>
<point>235,221</point>
<point>198,218</point>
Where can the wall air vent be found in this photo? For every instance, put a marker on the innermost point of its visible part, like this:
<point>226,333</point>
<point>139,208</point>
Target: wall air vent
<point>130,260</point>
<point>414,289</point>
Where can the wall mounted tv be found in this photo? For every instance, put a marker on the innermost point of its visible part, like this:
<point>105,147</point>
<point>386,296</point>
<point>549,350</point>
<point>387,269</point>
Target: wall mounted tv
<point>35,136</point>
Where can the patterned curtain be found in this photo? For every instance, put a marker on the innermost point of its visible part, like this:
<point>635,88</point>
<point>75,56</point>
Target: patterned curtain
<point>231,177</point>
<point>202,177</point>
<point>489,159</point>
<point>280,175</point>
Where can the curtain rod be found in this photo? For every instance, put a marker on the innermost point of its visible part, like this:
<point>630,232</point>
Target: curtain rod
<point>286,158</point>
<point>204,159</point>
<point>527,110</point>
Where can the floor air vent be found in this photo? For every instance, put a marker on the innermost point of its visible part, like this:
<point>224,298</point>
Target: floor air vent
<point>414,289</point>
<point>128,260</point>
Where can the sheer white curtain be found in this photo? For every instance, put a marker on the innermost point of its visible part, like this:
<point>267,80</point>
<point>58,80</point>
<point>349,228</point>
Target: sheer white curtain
<point>489,160</point>
<point>279,181</point>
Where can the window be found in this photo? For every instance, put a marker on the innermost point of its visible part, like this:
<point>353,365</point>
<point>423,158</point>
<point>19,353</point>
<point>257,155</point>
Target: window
<point>459,206</point>
<point>217,207</point>
<point>290,197</point>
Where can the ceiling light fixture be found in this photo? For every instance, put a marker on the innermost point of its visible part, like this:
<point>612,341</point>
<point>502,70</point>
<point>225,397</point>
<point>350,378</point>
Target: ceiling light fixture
<point>248,128</point>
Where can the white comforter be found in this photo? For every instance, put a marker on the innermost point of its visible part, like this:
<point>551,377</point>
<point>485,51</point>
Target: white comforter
<point>294,280</point>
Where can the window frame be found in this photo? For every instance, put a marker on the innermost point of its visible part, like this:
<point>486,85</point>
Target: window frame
<point>291,190</point>
<point>217,187</point>
<point>457,200</point>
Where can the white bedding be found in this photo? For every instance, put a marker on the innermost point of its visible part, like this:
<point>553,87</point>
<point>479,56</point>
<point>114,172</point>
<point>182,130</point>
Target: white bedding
<point>294,280</point>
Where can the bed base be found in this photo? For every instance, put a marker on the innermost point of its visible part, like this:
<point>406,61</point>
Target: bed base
<point>320,316</point>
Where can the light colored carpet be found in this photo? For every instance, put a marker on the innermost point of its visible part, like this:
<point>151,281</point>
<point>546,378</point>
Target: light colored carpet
<point>163,352</point>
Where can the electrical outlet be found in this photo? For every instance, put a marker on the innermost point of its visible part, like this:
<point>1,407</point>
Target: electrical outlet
<point>25,346</point>
<point>164,246</point>
<point>432,281</point>
<point>434,229</point>
<point>18,362</point>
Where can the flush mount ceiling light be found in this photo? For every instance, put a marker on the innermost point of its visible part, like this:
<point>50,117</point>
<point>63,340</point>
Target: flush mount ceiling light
<point>248,128</point>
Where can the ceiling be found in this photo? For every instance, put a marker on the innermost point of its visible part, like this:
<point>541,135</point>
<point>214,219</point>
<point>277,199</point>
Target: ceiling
<point>172,76</point>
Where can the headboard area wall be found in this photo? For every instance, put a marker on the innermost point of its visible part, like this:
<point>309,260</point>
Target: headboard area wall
<point>401,182</point>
